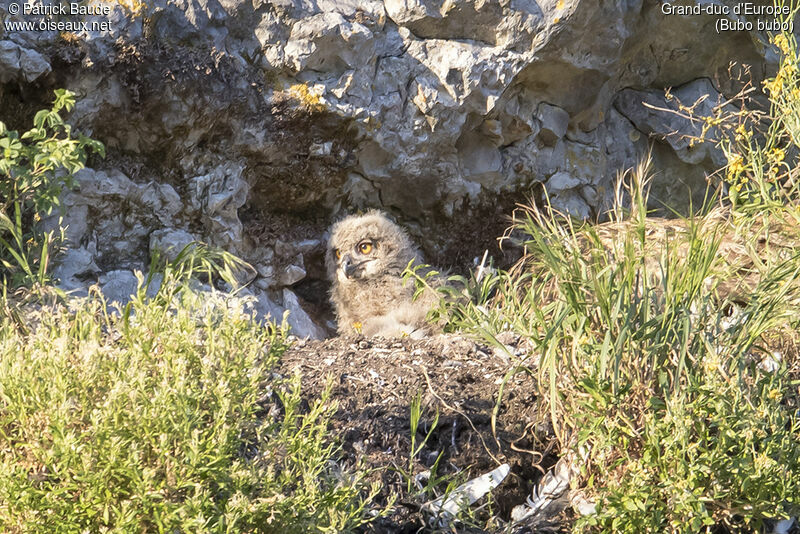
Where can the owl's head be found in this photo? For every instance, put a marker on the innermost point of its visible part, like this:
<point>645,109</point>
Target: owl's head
<point>367,246</point>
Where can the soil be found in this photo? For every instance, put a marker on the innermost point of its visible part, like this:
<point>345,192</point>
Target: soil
<point>374,382</point>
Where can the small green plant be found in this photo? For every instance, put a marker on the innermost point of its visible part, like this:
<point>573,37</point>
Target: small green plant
<point>761,146</point>
<point>722,452</point>
<point>454,291</point>
<point>198,262</point>
<point>34,168</point>
<point>414,419</point>
<point>426,487</point>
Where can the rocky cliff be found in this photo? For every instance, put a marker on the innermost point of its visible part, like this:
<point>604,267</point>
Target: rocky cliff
<point>252,124</point>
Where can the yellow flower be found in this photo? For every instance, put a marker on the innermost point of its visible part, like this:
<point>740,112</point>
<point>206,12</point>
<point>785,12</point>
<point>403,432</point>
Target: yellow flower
<point>775,85</point>
<point>796,93</point>
<point>711,364</point>
<point>357,326</point>
<point>782,43</point>
<point>742,133</point>
<point>735,163</point>
<point>777,154</point>
<point>736,167</point>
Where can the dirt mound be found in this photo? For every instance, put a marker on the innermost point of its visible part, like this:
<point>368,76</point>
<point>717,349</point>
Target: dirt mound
<point>374,383</point>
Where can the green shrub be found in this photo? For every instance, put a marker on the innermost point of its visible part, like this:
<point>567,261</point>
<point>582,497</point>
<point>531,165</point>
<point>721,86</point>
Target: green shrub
<point>723,451</point>
<point>34,168</point>
<point>166,417</point>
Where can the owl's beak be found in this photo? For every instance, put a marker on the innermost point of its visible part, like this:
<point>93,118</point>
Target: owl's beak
<point>349,267</point>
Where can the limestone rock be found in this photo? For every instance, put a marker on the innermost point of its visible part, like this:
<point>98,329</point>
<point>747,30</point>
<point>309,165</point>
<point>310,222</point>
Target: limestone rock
<point>170,242</point>
<point>645,109</point>
<point>218,195</point>
<point>293,273</point>
<point>117,213</point>
<point>297,318</point>
<point>22,64</point>
<point>328,42</point>
<point>554,122</point>
<point>565,192</point>
<point>74,269</point>
<point>301,323</point>
<point>118,286</point>
<point>266,309</point>
<point>562,181</point>
<point>570,202</point>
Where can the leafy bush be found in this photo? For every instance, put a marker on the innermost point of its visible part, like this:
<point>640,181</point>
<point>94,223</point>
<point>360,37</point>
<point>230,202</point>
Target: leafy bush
<point>34,167</point>
<point>164,418</point>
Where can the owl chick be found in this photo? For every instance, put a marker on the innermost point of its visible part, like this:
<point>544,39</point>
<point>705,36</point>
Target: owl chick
<point>365,259</point>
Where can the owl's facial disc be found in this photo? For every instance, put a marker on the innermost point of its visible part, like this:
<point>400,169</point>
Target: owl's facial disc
<point>361,262</point>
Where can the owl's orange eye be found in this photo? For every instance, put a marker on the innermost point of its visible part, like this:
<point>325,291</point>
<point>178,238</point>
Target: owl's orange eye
<point>337,253</point>
<point>365,247</point>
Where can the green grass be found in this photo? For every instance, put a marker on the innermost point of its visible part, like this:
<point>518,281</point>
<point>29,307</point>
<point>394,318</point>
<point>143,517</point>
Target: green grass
<point>164,418</point>
<point>648,336</point>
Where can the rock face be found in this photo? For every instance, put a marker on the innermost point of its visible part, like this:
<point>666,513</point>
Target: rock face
<point>253,124</point>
